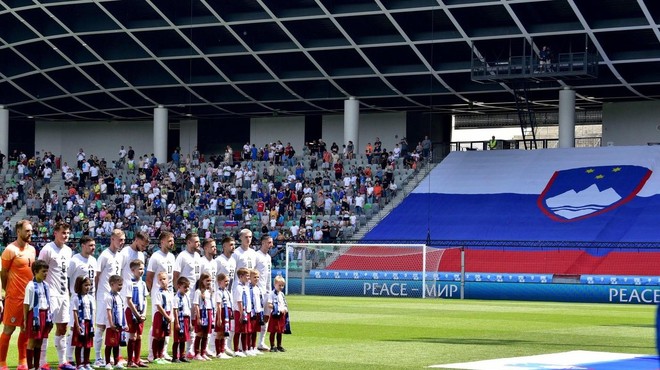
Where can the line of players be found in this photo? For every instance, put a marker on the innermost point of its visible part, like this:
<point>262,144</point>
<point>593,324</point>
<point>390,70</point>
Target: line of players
<point>70,276</point>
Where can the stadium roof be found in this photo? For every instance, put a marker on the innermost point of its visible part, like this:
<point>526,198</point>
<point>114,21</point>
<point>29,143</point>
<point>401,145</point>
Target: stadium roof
<point>104,60</point>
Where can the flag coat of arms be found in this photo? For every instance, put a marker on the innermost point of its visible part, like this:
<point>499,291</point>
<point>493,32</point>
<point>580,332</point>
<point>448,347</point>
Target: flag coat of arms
<point>578,193</point>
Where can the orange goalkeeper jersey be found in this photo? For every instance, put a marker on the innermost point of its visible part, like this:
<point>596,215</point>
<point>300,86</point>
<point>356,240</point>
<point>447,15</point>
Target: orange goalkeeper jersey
<point>18,264</point>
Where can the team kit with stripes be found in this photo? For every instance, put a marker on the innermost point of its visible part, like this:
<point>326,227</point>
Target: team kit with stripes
<point>206,303</point>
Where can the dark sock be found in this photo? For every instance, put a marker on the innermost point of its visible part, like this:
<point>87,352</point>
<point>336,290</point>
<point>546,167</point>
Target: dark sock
<point>154,347</point>
<point>86,352</point>
<point>182,349</point>
<point>197,344</point>
<point>219,345</point>
<point>253,343</point>
<point>36,354</point>
<point>279,339</point>
<point>129,349</point>
<point>205,341</point>
<point>30,358</point>
<point>108,350</point>
<point>271,338</point>
<point>137,350</point>
<point>244,341</point>
<point>237,336</point>
<point>115,352</point>
<point>77,352</point>
<point>175,350</point>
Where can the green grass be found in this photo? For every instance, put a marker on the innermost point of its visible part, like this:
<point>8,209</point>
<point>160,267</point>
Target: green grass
<point>399,333</point>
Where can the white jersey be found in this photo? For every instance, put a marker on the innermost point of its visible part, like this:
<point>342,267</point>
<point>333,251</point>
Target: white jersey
<point>182,303</point>
<point>203,300</point>
<point>81,266</point>
<point>244,258</point>
<point>188,265</point>
<point>136,291</point>
<point>58,263</point>
<point>108,264</point>
<point>129,255</point>
<point>84,305</point>
<point>227,266</point>
<point>116,304</point>
<point>158,262</point>
<point>264,265</point>
<point>241,294</point>
<point>257,298</point>
<point>163,298</point>
<point>222,297</point>
<point>277,300</point>
<point>40,288</point>
<point>210,267</point>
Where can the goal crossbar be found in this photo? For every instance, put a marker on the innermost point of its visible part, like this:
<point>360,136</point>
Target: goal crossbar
<point>341,249</point>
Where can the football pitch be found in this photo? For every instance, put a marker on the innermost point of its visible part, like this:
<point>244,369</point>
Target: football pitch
<point>400,333</point>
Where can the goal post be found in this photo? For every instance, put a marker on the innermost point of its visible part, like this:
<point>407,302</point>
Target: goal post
<point>375,269</point>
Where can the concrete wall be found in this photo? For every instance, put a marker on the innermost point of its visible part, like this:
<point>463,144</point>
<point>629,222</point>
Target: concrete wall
<point>270,129</point>
<point>187,137</point>
<point>102,139</point>
<point>389,127</point>
<point>631,123</point>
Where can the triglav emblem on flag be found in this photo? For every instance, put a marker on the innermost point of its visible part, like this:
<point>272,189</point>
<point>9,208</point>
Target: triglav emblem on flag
<point>578,193</point>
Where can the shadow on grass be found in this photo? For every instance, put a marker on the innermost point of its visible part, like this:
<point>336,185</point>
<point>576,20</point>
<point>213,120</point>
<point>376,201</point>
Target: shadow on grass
<point>474,341</point>
<point>513,342</point>
<point>643,326</point>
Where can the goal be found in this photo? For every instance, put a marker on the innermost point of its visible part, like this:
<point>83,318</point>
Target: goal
<point>405,270</point>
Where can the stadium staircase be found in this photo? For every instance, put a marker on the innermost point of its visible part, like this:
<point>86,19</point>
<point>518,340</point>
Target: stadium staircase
<point>56,183</point>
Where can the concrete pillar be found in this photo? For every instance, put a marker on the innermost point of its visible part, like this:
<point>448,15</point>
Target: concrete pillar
<point>567,118</point>
<point>352,123</point>
<point>160,134</point>
<point>4,131</point>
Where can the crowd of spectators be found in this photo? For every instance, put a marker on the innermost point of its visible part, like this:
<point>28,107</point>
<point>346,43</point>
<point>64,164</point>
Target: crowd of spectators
<point>317,194</point>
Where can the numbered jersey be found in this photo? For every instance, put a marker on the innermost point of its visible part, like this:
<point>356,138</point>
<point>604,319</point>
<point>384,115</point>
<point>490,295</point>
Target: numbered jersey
<point>58,259</point>
<point>108,264</point>
<point>81,266</point>
<point>158,262</point>
<point>264,265</point>
<point>188,265</point>
<point>227,266</point>
<point>129,255</point>
<point>245,258</point>
<point>211,268</point>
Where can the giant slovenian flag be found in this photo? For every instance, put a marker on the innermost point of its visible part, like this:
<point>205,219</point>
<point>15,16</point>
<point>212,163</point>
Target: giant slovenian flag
<point>609,194</point>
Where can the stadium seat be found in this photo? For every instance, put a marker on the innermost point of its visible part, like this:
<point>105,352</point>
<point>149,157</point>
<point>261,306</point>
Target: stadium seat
<point>293,265</point>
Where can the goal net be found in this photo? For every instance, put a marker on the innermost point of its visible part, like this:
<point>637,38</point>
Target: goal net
<point>388,270</point>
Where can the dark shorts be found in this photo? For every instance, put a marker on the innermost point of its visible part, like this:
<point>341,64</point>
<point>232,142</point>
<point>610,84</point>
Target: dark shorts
<point>239,326</point>
<point>276,324</point>
<point>112,337</point>
<point>220,324</point>
<point>207,328</point>
<point>158,329</point>
<point>84,339</point>
<point>134,327</point>
<point>178,338</point>
<point>255,327</point>
<point>44,328</point>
